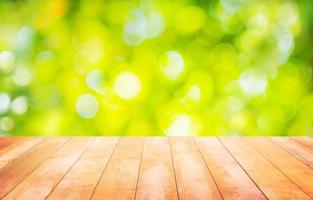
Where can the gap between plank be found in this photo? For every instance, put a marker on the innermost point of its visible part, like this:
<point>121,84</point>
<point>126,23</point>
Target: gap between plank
<point>242,167</point>
<point>289,152</point>
<point>38,165</point>
<point>195,143</point>
<point>23,153</point>
<point>83,152</point>
<point>105,168</point>
<point>142,148</point>
<point>303,144</point>
<point>169,143</point>
<point>278,168</point>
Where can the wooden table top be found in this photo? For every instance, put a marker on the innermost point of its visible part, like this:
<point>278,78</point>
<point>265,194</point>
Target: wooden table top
<point>156,168</point>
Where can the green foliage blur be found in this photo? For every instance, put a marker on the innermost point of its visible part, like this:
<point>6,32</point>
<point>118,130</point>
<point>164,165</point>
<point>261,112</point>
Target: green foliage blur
<point>185,67</point>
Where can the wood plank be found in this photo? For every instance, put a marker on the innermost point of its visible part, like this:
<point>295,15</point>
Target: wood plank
<point>303,153</point>
<point>307,141</point>
<point>7,141</point>
<point>285,162</point>
<point>119,178</point>
<point>230,178</point>
<point>80,182</point>
<point>13,173</point>
<point>14,141</point>
<point>157,177</point>
<point>204,167</point>
<point>269,179</point>
<point>194,180</point>
<point>41,182</point>
<point>18,148</point>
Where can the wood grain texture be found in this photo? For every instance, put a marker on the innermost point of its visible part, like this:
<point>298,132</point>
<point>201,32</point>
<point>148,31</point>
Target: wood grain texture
<point>286,163</point>
<point>119,179</point>
<point>270,180</point>
<point>194,180</point>
<point>228,174</point>
<point>157,177</point>
<point>83,168</point>
<point>18,148</point>
<point>7,141</point>
<point>80,182</point>
<point>13,173</point>
<point>307,141</point>
<point>41,181</point>
<point>298,150</point>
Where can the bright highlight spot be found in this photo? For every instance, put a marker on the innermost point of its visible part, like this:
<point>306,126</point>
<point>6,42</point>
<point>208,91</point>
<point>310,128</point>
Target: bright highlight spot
<point>4,102</point>
<point>127,85</point>
<point>87,106</point>
<point>7,60</point>
<point>182,125</point>
<point>6,124</point>
<point>95,81</point>
<point>253,82</point>
<point>258,23</point>
<point>24,38</point>
<point>235,104</point>
<point>287,15</point>
<point>19,105</point>
<point>194,94</point>
<point>172,65</point>
<point>285,42</point>
<point>22,76</point>
<point>142,25</point>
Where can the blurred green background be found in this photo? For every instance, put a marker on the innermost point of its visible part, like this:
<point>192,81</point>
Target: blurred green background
<point>188,67</point>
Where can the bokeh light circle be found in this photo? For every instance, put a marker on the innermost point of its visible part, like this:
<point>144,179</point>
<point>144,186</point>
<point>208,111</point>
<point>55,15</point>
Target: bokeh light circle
<point>172,64</point>
<point>127,85</point>
<point>22,76</point>
<point>6,124</point>
<point>253,82</point>
<point>19,105</point>
<point>7,61</point>
<point>4,102</point>
<point>87,106</point>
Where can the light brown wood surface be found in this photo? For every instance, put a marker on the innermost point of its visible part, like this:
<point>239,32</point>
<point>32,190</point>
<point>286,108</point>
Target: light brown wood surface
<point>273,183</point>
<point>303,153</point>
<point>228,174</point>
<point>286,163</point>
<point>80,181</point>
<point>194,180</point>
<point>119,179</point>
<point>151,168</point>
<point>157,177</point>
